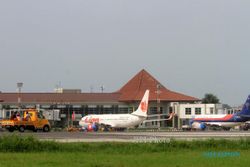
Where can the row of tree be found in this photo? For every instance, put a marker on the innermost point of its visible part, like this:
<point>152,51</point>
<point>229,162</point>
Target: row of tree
<point>210,98</point>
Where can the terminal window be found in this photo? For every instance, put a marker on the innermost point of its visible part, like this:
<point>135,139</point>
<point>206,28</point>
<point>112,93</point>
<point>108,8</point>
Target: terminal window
<point>188,111</point>
<point>107,110</point>
<point>92,110</point>
<point>123,109</point>
<point>211,110</point>
<point>154,110</point>
<point>197,111</point>
<point>130,109</point>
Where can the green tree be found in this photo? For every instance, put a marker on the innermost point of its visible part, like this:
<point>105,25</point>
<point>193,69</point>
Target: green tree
<point>210,98</point>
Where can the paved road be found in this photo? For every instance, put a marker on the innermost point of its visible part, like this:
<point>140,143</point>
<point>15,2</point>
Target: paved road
<point>131,136</point>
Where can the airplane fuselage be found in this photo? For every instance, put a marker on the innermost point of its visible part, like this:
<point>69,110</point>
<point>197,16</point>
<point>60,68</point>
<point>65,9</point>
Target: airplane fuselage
<point>113,120</point>
<point>223,120</point>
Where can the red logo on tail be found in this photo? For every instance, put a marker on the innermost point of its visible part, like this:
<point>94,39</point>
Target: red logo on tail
<point>144,106</point>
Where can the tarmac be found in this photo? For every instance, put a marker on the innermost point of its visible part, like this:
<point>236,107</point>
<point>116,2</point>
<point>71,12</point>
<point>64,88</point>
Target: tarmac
<point>137,137</point>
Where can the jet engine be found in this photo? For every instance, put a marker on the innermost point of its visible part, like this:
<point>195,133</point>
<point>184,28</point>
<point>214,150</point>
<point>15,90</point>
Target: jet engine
<point>198,125</point>
<point>92,127</point>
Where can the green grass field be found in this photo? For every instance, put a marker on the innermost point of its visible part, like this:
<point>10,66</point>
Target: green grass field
<point>27,151</point>
<point>172,159</point>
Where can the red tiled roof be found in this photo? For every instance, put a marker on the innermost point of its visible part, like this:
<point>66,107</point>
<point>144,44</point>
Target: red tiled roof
<point>132,91</point>
<point>135,88</point>
<point>60,97</point>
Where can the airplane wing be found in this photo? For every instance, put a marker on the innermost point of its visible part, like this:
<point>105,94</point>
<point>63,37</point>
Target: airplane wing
<point>221,124</point>
<point>157,115</point>
<point>107,124</point>
<point>244,116</point>
<point>213,124</point>
<point>153,120</point>
<point>167,119</point>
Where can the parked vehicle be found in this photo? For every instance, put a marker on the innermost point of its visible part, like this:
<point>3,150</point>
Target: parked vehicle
<point>30,120</point>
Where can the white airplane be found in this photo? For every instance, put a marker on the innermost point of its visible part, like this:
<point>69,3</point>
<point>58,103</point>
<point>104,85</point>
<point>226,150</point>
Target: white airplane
<point>117,121</point>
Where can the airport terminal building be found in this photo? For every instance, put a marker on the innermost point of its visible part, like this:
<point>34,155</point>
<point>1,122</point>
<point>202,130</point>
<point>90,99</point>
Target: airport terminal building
<point>58,107</point>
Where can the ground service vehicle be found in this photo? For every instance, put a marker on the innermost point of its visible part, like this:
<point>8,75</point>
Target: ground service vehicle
<point>31,120</point>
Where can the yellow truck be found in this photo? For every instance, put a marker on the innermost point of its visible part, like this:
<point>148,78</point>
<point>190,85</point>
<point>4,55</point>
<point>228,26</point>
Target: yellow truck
<point>31,120</point>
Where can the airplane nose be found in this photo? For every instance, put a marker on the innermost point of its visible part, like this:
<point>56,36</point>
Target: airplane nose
<point>81,123</point>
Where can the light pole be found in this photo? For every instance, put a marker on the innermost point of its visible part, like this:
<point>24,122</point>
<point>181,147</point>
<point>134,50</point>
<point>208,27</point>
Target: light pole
<point>68,114</point>
<point>1,108</point>
<point>53,104</point>
<point>158,87</point>
<point>19,87</point>
<point>102,88</point>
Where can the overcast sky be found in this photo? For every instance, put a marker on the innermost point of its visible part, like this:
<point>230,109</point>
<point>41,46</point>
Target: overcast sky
<point>192,47</point>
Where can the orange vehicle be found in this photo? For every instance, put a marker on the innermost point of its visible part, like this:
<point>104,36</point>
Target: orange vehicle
<point>31,120</point>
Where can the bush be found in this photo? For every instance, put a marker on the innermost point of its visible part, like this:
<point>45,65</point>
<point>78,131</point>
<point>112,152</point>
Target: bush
<point>16,143</point>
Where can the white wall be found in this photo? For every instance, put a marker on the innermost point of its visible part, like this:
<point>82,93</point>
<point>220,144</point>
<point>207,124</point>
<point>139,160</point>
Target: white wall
<point>205,110</point>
